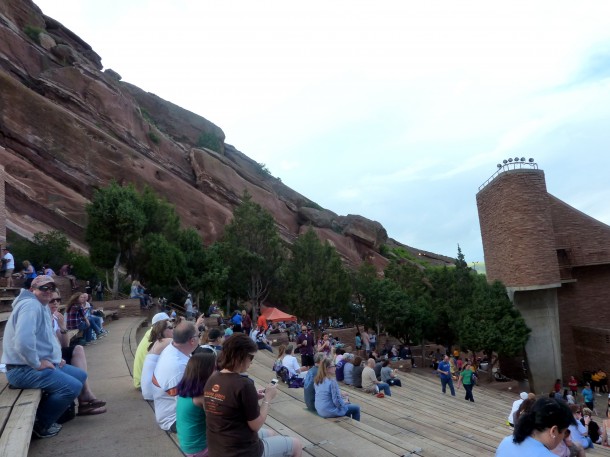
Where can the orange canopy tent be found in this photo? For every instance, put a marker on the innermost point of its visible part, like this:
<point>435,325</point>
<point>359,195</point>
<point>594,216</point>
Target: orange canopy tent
<point>275,315</point>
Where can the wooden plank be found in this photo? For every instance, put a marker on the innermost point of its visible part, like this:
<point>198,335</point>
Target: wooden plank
<point>16,436</point>
<point>4,316</point>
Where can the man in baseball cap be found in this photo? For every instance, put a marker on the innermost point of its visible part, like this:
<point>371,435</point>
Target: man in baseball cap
<point>32,355</point>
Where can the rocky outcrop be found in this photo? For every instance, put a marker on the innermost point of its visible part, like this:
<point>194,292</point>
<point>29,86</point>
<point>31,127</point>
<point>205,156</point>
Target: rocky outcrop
<point>68,128</point>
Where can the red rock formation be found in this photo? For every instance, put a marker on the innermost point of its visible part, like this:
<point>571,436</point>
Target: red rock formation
<point>67,128</point>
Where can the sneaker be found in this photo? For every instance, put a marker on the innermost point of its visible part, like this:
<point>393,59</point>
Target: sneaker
<point>48,432</point>
<point>380,395</point>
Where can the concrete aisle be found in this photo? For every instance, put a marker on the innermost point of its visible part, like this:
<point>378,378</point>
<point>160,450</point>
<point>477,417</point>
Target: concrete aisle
<point>128,428</point>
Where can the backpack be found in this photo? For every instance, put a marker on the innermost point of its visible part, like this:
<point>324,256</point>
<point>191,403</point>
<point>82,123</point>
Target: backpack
<point>283,374</point>
<point>277,365</point>
<point>295,382</point>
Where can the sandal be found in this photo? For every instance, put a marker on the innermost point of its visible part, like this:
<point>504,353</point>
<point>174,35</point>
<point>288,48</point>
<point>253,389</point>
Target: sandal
<point>95,403</point>
<point>91,411</point>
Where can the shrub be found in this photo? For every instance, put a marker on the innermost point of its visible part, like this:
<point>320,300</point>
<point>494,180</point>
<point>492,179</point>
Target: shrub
<point>33,32</point>
<point>154,137</point>
<point>209,141</point>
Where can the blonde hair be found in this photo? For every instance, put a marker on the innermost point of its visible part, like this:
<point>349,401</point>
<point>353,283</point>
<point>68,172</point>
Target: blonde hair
<point>323,371</point>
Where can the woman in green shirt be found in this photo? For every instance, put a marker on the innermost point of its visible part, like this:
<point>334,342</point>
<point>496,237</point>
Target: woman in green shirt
<point>466,379</point>
<point>190,416</point>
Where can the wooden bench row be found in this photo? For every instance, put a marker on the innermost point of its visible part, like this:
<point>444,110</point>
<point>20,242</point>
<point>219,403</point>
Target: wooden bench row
<point>417,418</point>
<point>18,410</point>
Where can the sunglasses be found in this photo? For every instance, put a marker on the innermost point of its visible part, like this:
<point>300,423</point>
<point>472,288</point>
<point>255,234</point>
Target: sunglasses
<point>55,300</point>
<point>251,357</point>
<point>50,287</point>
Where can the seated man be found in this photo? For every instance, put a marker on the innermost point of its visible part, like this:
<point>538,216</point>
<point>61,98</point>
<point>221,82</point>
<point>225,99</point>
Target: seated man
<point>290,362</point>
<point>168,373</point>
<point>370,383</point>
<point>579,432</point>
<point>33,360</point>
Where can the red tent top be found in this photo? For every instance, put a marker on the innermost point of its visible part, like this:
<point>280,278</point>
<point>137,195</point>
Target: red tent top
<point>275,315</point>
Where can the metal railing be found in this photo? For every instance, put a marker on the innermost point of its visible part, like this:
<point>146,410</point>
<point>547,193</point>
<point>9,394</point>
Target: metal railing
<point>511,164</point>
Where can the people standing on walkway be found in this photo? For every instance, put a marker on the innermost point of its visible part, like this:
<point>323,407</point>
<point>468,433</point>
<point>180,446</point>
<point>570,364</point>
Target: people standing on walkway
<point>329,400</point>
<point>168,373</point>
<point>9,266</point>
<point>466,379</point>
<point>444,370</point>
<point>305,343</point>
<point>32,355</point>
<point>188,307</point>
<point>234,418</point>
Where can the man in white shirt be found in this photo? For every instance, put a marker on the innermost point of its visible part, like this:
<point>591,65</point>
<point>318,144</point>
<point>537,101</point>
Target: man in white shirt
<point>9,266</point>
<point>290,362</point>
<point>515,408</point>
<point>168,373</point>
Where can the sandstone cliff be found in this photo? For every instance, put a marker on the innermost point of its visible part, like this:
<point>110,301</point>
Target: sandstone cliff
<point>67,127</point>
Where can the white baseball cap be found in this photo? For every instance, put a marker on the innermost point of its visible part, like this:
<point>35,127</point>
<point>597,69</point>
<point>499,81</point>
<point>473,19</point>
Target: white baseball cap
<point>160,317</point>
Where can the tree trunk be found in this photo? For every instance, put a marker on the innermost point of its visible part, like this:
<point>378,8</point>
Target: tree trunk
<point>115,277</point>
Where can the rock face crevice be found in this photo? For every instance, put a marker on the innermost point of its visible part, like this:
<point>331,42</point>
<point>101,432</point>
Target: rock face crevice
<point>67,128</point>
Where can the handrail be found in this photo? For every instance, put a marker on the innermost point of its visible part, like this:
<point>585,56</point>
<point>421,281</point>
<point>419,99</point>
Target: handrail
<point>510,165</point>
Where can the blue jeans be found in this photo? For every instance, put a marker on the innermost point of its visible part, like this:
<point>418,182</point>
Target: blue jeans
<point>385,387</point>
<point>96,324</point>
<point>87,330</point>
<point>445,382</point>
<point>468,389</point>
<point>353,411</point>
<point>59,387</point>
<point>264,346</point>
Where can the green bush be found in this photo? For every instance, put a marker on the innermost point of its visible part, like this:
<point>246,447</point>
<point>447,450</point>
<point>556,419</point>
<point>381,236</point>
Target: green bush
<point>154,137</point>
<point>33,32</point>
<point>209,141</point>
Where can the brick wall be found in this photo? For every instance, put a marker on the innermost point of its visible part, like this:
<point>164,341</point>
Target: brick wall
<point>517,230</point>
<point>2,208</point>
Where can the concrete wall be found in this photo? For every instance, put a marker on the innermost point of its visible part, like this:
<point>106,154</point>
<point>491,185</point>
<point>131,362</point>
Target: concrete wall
<point>539,308</point>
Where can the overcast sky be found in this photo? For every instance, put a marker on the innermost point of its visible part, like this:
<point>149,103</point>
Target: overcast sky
<point>394,110</point>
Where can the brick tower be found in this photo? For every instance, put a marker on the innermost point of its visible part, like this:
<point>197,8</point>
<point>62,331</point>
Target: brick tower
<point>555,263</point>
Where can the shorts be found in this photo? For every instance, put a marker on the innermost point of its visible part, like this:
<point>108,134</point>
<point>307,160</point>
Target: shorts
<point>8,273</point>
<point>276,445</point>
<point>66,354</point>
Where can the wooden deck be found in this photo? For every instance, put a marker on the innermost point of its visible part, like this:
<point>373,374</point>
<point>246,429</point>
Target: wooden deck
<point>416,420</point>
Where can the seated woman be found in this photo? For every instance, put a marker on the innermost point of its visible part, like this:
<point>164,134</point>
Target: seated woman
<point>389,375</point>
<point>309,393</point>
<point>160,337</point>
<point>77,320</point>
<point>74,355</point>
<point>97,322</point>
<point>330,401</point>
<point>190,416</point>
<point>357,376</point>
<point>262,342</point>
<point>348,369</point>
<point>537,431</point>
<point>234,419</point>
<point>29,273</point>
<point>137,291</point>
